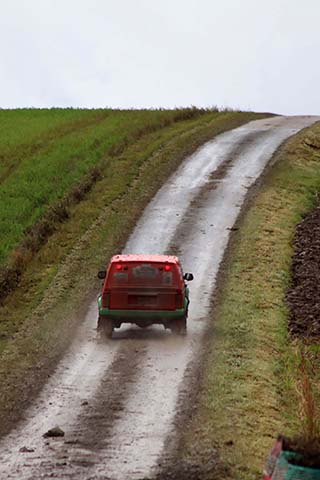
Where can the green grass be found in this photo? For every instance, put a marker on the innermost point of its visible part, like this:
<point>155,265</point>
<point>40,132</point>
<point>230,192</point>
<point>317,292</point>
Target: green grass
<point>45,170</point>
<point>39,316</point>
<point>251,383</point>
<point>24,132</point>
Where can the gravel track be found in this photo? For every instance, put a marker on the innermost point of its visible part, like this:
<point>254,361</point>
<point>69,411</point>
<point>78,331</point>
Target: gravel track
<point>116,400</point>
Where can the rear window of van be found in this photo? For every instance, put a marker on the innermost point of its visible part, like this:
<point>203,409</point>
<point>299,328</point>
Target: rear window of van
<point>144,274</point>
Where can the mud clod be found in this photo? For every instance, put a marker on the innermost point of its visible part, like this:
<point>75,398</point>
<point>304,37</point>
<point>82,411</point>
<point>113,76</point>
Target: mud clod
<point>229,443</point>
<point>54,432</point>
<point>26,450</point>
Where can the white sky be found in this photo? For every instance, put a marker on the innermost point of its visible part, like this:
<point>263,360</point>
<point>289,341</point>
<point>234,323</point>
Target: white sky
<point>262,55</point>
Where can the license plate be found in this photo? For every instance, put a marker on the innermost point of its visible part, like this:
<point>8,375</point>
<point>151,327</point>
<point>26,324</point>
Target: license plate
<point>143,300</point>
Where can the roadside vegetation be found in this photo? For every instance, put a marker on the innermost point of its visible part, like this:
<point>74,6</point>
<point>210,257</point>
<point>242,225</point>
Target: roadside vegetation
<point>71,193</point>
<point>259,380</point>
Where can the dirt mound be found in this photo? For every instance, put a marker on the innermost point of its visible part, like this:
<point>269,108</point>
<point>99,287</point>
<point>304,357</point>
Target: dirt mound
<point>303,297</point>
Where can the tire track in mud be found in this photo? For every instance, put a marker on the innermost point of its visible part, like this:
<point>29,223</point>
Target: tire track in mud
<point>140,376</point>
<point>204,195</point>
<point>80,449</point>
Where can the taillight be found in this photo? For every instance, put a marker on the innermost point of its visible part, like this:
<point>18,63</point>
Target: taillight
<point>179,300</point>
<point>106,299</point>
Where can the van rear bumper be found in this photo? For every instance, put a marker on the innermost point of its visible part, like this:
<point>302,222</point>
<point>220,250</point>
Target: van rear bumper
<point>156,316</point>
<point>143,318</point>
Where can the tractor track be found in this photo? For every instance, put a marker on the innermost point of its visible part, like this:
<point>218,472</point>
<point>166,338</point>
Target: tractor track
<point>116,400</point>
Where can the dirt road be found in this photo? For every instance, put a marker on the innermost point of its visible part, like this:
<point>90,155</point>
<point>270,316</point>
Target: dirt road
<point>116,400</point>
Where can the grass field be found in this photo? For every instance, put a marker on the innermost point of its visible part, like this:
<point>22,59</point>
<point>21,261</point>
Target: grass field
<point>25,132</point>
<point>252,387</point>
<point>44,153</point>
<point>133,154</point>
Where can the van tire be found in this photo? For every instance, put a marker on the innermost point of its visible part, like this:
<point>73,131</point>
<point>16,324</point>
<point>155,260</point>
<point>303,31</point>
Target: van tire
<point>105,326</point>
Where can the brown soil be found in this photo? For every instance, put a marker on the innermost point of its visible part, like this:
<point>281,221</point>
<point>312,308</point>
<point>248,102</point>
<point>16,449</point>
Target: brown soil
<point>303,297</point>
<point>210,470</point>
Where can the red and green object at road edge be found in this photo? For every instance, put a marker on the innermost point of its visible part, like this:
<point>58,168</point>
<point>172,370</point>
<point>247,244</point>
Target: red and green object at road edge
<point>282,465</point>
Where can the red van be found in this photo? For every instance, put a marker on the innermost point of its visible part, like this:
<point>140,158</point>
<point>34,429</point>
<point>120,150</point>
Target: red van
<point>143,289</point>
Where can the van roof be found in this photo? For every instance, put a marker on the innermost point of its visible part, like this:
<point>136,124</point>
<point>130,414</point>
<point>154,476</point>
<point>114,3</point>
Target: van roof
<point>145,258</point>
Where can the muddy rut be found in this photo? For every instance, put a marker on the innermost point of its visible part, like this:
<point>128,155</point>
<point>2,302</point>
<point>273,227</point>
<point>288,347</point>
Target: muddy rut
<point>116,400</point>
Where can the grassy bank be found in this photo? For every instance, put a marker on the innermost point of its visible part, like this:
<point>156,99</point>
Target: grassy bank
<point>39,316</point>
<point>251,388</point>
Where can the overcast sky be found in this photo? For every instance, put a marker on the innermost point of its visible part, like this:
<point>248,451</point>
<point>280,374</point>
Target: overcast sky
<point>262,55</point>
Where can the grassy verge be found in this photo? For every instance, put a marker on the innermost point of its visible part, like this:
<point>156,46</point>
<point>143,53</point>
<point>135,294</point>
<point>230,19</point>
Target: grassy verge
<point>252,382</point>
<point>39,317</point>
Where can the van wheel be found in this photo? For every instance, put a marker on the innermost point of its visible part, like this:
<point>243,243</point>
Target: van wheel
<point>105,326</point>
<point>179,327</point>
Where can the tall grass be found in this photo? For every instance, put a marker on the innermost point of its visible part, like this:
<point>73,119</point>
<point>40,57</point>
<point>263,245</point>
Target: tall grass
<point>308,392</point>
